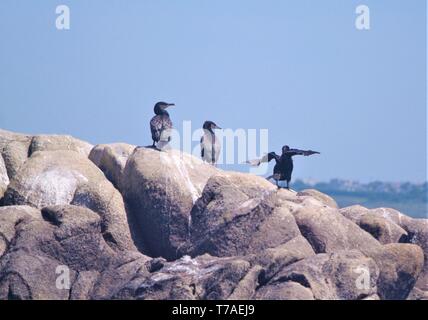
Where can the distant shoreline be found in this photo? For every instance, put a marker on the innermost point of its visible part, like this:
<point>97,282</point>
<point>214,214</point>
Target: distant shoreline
<point>406,197</point>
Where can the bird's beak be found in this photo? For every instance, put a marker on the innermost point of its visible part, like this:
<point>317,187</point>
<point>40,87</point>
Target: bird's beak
<point>217,127</point>
<point>170,105</point>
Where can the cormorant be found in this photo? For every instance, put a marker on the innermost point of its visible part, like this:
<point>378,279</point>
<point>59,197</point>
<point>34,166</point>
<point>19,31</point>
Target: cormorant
<point>284,163</point>
<point>210,145</point>
<point>161,124</point>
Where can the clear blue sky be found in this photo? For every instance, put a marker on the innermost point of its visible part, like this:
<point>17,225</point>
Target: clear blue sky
<point>299,68</point>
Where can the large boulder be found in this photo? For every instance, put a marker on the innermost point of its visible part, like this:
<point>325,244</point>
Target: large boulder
<point>66,177</point>
<point>382,229</point>
<point>417,230</point>
<point>417,233</point>
<point>59,253</point>
<point>59,142</point>
<point>275,259</point>
<point>328,231</point>
<point>14,149</point>
<point>288,290</point>
<point>340,275</point>
<point>9,217</point>
<point>239,214</point>
<point>247,287</point>
<point>380,226</point>
<point>160,189</point>
<point>398,227</point>
<point>111,282</point>
<point>400,265</point>
<point>325,199</point>
<point>25,272</point>
<point>111,159</point>
<point>392,218</point>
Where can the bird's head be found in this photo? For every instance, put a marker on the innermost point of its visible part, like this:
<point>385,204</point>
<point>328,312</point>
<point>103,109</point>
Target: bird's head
<point>210,126</point>
<point>285,149</point>
<point>160,107</point>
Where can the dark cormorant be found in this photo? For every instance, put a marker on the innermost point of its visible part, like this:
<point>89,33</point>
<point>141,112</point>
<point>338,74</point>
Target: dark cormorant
<point>284,163</point>
<point>161,124</point>
<point>210,144</point>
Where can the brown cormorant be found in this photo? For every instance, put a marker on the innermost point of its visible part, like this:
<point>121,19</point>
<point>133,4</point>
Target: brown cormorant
<point>161,124</point>
<point>284,163</point>
<point>210,144</point>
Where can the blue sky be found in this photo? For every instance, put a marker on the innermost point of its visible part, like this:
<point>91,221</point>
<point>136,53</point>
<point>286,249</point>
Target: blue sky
<point>299,68</point>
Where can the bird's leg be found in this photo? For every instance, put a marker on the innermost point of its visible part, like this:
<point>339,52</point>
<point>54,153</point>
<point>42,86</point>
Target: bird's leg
<point>154,146</point>
<point>288,184</point>
<point>277,184</point>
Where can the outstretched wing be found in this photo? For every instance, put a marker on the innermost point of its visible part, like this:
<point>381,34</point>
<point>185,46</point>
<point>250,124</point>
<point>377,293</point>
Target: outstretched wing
<point>310,152</point>
<point>266,158</point>
<point>295,152</point>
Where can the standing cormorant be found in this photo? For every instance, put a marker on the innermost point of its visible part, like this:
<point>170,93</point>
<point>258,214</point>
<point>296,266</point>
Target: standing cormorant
<point>284,163</point>
<point>210,144</point>
<point>161,124</point>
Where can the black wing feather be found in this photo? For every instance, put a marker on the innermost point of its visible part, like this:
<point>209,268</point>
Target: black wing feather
<point>295,152</point>
<point>158,124</point>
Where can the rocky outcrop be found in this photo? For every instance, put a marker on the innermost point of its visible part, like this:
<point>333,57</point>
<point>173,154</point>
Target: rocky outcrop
<point>160,190</point>
<point>288,290</point>
<point>328,231</point>
<point>339,275</point>
<point>274,260</point>
<point>43,245</point>
<point>418,234</point>
<point>205,277</point>
<point>323,198</point>
<point>57,143</point>
<point>239,214</point>
<point>66,177</point>
<point>384,229</point>
<point>14,150</point>
<point>391,226</point>
<point>111,159</point>
<point>400,266</point>
<point>136,223</point>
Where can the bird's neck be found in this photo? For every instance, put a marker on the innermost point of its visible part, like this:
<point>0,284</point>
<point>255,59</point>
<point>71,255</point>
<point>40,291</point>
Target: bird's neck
<point>162,112</point>
<point>209,131</point>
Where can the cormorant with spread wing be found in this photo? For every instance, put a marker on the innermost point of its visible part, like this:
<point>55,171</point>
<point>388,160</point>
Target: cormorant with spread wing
<point>284,163</point>
<point>161,125</point>
<point>210,144</point>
